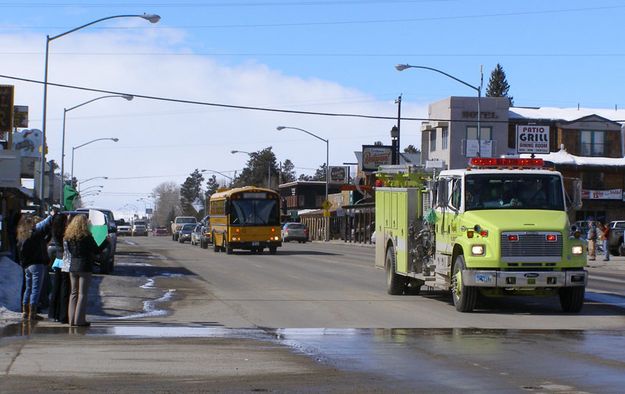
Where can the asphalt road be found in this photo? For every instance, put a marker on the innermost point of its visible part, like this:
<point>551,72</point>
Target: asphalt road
<point>319,285</point>
<point>313,318</point>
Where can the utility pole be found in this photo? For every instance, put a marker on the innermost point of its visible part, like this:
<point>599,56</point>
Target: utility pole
<point>398,102</point>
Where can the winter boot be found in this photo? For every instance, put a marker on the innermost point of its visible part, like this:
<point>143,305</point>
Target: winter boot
<point>32,314</point>
<point>25,311</point>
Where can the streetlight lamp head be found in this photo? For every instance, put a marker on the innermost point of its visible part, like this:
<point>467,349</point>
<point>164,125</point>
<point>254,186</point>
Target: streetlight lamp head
<point>402,67</point>
<point>128,97</point>
<point>115,139</point>
<point>152,18</point>
<point>280,128</point>
<point>234,151</point>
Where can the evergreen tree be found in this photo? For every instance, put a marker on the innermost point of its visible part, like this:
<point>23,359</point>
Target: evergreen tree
<point>411,149</point>
<point>288,171</point>
<point>211,186</point>
<point>260,166</point>
<point>190,191</point>
<point>320,173</point>
<point>304,177</point>
<point>498,84</point>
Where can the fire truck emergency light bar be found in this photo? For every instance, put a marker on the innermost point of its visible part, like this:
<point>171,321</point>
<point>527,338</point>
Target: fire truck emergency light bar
<point>505,162</point>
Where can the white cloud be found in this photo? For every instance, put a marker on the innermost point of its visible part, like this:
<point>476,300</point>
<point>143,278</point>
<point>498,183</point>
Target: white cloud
<point>164,138</point>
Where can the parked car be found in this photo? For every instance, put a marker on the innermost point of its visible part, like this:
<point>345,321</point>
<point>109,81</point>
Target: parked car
<point>294,231</point>
<point>184,234</point>
<point>177,224</point>
<point>197,234</point>
<point>161,230</point>
<point>206,237</point>
<point>615,240</point>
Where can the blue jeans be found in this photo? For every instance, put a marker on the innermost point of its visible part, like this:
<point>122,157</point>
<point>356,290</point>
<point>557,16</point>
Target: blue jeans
<point>605,249</point>
<point>34,275</point>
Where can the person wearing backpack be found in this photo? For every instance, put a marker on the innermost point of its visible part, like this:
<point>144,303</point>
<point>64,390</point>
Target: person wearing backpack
<point>32,238</point>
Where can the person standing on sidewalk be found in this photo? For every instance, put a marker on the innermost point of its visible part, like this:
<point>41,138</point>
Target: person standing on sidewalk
<point>33,257</point>
<point>59,296</point>
<point>605,236</point>
<point>84,251</point>
<point>592,240</point>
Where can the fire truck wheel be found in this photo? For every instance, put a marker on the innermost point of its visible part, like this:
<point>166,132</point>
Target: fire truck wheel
<point>572,299</point>
<point>464,297</point>
<point>395,284</point>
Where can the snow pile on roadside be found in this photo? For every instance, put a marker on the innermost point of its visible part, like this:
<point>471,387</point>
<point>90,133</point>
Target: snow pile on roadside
<point>10,289</point>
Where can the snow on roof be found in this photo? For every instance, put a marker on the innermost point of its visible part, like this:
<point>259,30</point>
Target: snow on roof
<point>566,114</point>
<point>563,157</point>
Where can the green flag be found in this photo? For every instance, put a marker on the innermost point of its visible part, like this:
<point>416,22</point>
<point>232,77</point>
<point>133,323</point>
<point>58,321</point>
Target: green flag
<point>69,194</point>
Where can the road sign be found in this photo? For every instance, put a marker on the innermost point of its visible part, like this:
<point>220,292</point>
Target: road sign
<point>326,205</point>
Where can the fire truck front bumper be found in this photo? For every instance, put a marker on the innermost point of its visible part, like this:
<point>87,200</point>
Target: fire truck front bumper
<point>524,279</point>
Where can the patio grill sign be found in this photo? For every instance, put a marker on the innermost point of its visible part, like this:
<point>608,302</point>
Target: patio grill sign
<point>532,139</point>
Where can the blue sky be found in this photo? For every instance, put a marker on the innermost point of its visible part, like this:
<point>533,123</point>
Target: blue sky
<point>327,56</point>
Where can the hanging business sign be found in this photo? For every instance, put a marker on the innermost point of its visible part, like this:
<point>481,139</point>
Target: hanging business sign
<point>613,194</point>
<point>20,116</point>
<point>6,108</point>
<point>532,139</point>
<point>339,174</point>
<point>373,156</point>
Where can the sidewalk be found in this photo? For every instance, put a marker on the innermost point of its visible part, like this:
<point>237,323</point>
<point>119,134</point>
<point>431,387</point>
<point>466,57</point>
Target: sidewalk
<point>616,263</point>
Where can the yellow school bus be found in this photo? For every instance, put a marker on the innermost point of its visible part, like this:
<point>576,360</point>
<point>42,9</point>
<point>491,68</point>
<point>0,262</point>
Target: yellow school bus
<point>245,218</point>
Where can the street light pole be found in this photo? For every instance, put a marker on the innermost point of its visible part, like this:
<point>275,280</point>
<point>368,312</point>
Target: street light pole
<point>87,143</point>
<point>152,18</point>
<point>65,111</point>
<point>478,89</point>
<point>327,141</point>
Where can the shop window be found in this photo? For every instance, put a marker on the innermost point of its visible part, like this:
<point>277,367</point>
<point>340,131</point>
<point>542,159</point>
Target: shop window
<point>485,135</point>
<point>592,143</point>
<point>593,181</point>
<point>444,138</point>
<point>433,140</point>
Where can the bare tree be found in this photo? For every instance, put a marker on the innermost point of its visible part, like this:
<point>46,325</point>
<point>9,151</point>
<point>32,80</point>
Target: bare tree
<point>167,201</point>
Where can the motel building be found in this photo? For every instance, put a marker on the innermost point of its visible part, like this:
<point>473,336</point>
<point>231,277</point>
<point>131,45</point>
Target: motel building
<point>582,143</point>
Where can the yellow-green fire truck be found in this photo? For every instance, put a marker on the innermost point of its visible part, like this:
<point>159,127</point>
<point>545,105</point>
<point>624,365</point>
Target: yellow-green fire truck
<point>499,227</point>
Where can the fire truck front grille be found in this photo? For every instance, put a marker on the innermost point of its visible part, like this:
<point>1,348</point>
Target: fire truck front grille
<point>531,246</point>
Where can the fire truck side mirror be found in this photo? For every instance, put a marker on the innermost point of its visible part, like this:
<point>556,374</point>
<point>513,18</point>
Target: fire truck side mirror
<point>441,192</point>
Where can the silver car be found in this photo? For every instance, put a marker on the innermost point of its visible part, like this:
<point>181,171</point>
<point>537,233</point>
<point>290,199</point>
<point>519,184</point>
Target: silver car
<point>295,232</point>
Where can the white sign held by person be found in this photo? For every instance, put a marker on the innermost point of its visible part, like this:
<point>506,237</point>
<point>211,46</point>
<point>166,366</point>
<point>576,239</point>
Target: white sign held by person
<point>532,139</point>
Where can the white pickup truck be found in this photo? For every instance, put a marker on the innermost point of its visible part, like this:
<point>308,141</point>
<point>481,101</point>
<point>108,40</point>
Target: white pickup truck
<point>178,222</point>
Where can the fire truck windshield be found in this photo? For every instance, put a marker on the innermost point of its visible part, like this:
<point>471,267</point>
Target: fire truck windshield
<point>513,191</point>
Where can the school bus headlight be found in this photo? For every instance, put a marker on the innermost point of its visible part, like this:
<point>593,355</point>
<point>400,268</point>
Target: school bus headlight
<point>577,250</point>
<point>478,250</point>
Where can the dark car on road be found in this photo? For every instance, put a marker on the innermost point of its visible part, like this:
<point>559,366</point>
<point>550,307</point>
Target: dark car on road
<point>294,232</point>
<point>184,234</point>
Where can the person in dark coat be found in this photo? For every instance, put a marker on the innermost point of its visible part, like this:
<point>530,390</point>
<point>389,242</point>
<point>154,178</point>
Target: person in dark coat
<point>33,256</point>
<point>59,296</point>
<point>84,252</point>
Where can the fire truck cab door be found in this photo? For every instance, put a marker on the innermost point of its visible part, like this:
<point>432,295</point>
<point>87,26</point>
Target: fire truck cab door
<point>448,204</point>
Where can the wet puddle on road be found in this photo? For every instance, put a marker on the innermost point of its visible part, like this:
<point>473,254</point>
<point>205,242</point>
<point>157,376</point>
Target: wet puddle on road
<point>453,357</point>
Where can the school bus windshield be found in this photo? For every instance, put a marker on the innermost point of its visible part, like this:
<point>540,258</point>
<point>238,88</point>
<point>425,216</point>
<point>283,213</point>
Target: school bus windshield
<point>254,212</point>
<point>514,191</point>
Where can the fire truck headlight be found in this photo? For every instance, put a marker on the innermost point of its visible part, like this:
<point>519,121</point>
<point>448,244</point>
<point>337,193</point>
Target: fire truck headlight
<point>577,250</point>
<point>478,250</point>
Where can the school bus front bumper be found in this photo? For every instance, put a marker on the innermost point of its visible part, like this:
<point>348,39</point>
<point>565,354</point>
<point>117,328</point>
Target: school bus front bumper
<point>524,279</point>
